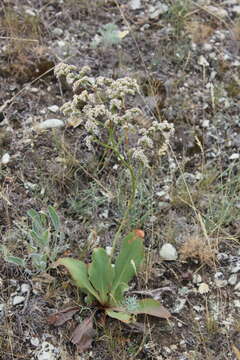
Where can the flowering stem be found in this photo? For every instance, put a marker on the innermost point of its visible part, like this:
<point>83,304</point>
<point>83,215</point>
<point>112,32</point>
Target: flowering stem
<point>113,147</point>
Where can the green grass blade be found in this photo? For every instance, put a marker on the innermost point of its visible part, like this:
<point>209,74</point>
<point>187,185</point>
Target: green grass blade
<point>54,218</point>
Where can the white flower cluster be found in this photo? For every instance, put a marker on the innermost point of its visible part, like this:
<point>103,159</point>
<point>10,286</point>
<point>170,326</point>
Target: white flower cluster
<point>99,107</point>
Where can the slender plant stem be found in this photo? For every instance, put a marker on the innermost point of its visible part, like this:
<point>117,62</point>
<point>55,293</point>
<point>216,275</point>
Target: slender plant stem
<point>114,147</point>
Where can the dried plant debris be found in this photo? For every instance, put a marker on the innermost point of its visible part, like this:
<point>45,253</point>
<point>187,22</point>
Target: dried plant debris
<point>59,318</point>
<point>83,335</point>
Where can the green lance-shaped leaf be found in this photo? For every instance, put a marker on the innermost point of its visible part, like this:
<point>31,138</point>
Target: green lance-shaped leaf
<point>127,264</point>
<point>79,273</point>
<point>151,307</point>
<point>16,260</point>
<point>120,315</point>
<point>101,274</point>
<point>54,218</point>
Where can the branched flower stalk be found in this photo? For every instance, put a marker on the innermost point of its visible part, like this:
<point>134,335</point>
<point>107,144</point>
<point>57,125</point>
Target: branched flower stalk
<point>100,107</point>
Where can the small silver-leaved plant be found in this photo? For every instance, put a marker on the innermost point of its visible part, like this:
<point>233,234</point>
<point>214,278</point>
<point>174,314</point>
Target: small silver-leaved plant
<point>131,304</point>
<point>100,106</point>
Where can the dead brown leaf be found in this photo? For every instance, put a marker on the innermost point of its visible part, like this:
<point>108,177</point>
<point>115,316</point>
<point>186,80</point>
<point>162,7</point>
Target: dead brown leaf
<point>83,334</point>
<point>62,316</point>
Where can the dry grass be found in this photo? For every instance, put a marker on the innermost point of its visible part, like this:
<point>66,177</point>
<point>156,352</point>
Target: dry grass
<point>200,248</point>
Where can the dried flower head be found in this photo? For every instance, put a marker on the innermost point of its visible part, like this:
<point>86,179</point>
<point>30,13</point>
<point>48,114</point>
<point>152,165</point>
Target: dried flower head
<point>99,106</point>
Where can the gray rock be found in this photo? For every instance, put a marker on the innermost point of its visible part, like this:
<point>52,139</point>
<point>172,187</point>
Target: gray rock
<point>168,252</point>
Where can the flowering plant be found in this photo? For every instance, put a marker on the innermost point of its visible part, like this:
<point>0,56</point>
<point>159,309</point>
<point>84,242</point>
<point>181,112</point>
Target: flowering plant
<point>100,105</point>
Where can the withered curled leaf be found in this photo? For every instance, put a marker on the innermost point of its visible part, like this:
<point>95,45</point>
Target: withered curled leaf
<point>60,317</point>
<point>83,334</point>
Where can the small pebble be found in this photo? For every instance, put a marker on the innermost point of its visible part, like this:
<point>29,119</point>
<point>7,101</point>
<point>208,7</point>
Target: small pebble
<point>234,156</point>
<point>18,300</point>
<point>5,159</point>
<point>25,288</point>
<point>53,108</point>
<point>168,252</point>
<point>57,31</point>
<point>235,268</point>
<point>232,279</point>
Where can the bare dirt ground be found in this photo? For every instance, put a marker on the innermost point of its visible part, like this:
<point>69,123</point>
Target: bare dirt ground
<point>185,55</point>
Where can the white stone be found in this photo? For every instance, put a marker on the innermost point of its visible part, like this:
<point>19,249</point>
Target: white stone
<point>207,47</point>
<point>18,300</point>
<point>5,159</point>
<point>234,156</point>
<point>51,123</point>
<point>30,12</point>
<point>57,31</point>
<point>34,341</point>
<point>232,279</point>
<point>61,43</point>
<point>202,61</point>
<point>168,252</point>
<point>135,4</point>
<point>236,303</point>
<point>53,108</point>
<point>25,288</point>
<point>205,123</point>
